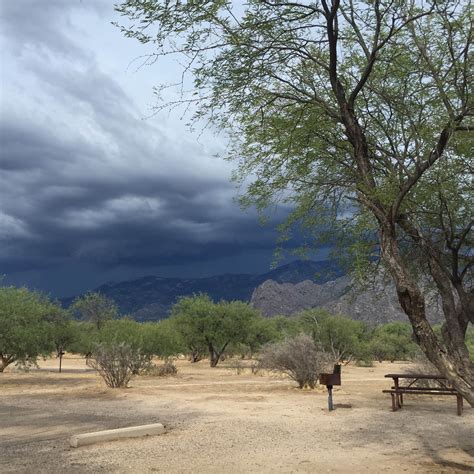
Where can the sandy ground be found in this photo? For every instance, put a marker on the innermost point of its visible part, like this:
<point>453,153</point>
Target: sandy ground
<point>219,421</point>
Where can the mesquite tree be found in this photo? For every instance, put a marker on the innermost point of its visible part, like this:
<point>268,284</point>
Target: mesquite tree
<point>25,330</point>
<point>207,326</point>
<point>356,113</point>
<point>95,308</point>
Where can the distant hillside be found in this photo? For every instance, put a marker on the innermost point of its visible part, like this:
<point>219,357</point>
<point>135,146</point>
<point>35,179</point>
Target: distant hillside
<point>376,304</point>
<point>151,297</point>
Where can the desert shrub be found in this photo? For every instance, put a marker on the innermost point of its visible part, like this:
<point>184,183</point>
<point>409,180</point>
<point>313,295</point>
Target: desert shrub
<point>337,335</point>
<point>165,370</point>
<point>393,341</point>
<point>255,367</point>
<point>140,362</point>
<point>364,362</point>
<point>116,364</point>
<point>298,357</point>
<point>237,365</point>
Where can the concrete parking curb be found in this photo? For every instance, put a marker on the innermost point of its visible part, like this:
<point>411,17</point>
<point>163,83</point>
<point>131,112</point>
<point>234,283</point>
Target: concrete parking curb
<point>112,435</point>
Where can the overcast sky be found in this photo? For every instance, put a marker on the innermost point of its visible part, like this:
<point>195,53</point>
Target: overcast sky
<point>92,188</point>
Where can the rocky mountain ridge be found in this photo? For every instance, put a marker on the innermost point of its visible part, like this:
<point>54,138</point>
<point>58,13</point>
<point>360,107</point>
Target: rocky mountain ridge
<point>375,304</point>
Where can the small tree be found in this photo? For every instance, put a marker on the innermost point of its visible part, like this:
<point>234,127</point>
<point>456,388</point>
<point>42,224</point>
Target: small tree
<point>24,332</point>
<point>337,335</point>
<point>393,341</point>
<point>87,337</point>
<point>262,331</point>
<point>95,308</point>
<point>298,357</point>
<point>162,338</point>
<point>115,363</point>
<point>208,326</point>
<point>63,332</point>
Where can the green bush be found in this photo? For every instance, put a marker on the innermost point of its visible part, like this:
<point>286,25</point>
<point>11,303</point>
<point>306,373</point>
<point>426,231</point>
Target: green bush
<point>393,341</point>
<point>25,333</point>
<point>343,338</point>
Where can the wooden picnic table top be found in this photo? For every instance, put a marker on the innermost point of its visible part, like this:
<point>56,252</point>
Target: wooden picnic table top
<point>416,376</point>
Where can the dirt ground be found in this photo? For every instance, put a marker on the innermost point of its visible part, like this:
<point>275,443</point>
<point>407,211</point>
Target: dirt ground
<point>219,421</point>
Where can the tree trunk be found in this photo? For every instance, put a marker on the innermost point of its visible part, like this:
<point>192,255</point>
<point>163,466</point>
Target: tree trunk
<point>447,360</point>
<point>214,359</point>
<point>5,361</point>
<point>215,355</point>
<point>195,356</point>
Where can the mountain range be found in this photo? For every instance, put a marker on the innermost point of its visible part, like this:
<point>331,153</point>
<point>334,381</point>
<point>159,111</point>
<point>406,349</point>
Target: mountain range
<point>151,297</point>
<point>299,285</point>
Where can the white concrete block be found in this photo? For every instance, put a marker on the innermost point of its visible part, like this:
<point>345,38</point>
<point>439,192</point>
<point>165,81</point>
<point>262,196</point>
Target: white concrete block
<point>112,435</point>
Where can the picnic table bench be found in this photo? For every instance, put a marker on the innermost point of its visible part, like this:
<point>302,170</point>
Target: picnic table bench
<point>443,387</point>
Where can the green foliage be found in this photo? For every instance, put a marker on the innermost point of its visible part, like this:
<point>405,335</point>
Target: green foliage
<point>208,326</point>
<point>24,328</point>
<point>355,115</point>
<point>260,332</point>
<point>122,331</point>
<point>343,338</point>
<point>86,338</point>
<point>160,338</point>
<point>94,308</point>
<point>190,317</point>
<point>63,331</point>
<point>393,341</point>
<point>163,338</point>
<point>33,326</point>
<point>265,72</point>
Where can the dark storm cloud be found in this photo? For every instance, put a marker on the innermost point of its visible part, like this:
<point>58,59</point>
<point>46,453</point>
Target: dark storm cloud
<point>84,178</point>
<point>113,212</point>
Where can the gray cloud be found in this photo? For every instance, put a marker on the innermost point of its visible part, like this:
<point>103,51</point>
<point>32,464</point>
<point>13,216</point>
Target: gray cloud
<point>33,25</point>
<point>85,181</point>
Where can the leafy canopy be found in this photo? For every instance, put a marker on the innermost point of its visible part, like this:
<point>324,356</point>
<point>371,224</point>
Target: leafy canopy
<point>206,326</point>
<point>335,110</point>
<point>95,308</point>
<point>24,328</point>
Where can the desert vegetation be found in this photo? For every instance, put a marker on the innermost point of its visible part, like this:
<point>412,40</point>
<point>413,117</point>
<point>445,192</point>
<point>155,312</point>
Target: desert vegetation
<point>119,348</point>
<point>117,363</point>
<point>358,117</point>
<point>296,356</point>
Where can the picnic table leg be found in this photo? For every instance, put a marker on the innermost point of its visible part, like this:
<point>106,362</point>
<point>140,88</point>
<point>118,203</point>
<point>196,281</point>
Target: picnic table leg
<point>399,397</point>
<point>459,403</point>
<point>394,402</point>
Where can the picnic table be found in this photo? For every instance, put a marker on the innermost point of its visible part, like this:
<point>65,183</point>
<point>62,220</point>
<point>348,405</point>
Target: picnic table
<point>443,387</point>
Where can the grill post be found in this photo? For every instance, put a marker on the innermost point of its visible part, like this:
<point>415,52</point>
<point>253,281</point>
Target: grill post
<point>330,380</point>
<point>330,404</point>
